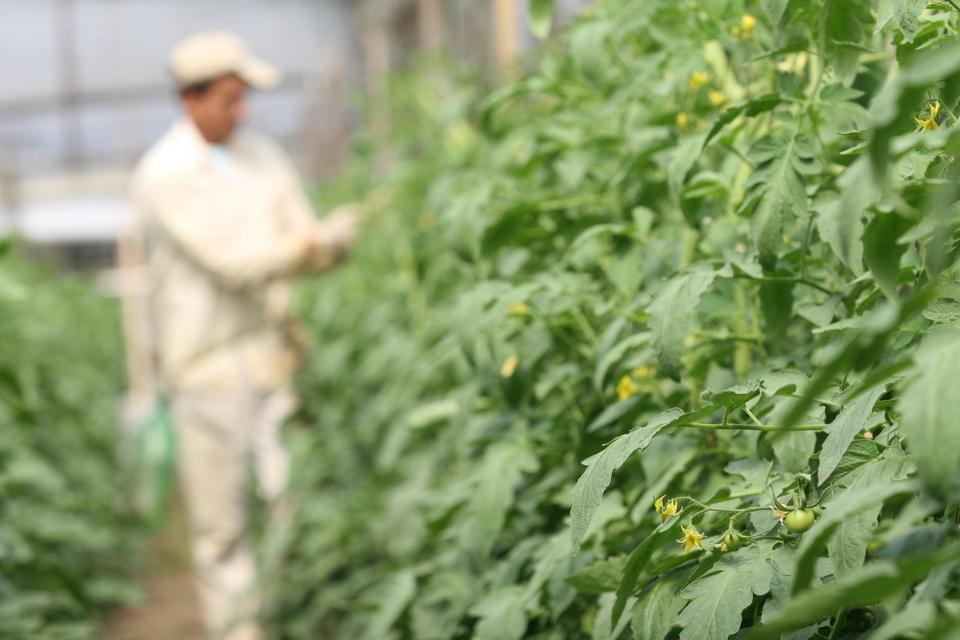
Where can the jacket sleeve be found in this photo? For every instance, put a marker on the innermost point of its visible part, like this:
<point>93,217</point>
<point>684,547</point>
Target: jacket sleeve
<point>199,222</point>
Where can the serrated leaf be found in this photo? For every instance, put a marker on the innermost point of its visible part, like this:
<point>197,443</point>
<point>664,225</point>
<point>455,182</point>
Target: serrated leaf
<point>847,26</point>
<point>929,405</point>
<point>848,546</point>
<point>945,312</point>
<point>868,585</point>
<point>655,613</point>
<point>775,9</point>
<point>603,629</point>
<point>902,93</point>
<point>638,560</point>
<point>843,429</point>
<point>905,14</point>
<point>397,592</point>
<point>600,577</point>
<point>794,448</point>
<point>782,196</point>
<point>909,622</point>
<point>718,599</point>
<point>840,225</point>
<point>502,469</point>
<point>672,315</point>
<point>502,615</point>
<point>756,106</point>
<point>733,397</point>
<point>863,497</point>
<point>594,481</point>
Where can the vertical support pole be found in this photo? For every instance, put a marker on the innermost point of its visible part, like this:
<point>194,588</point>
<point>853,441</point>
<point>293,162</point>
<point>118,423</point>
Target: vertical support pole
<point>430,24</point>
<point>506,32</point>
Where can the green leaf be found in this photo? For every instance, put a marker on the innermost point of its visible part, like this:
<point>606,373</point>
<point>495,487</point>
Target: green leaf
<point>929,405</point>
<point>775,10</point>
<point>613,413</point>
<point>904,13</point>
<point>910,622</point>
<point>685,156</point>
<point>498,475</point>
<point>847,27</point>
<point>840,220</point>
<point>882,252</point>
<point>615,353</point>
<point>594,481</point>
<point>541,17</point>
<point>847,547</point>
<point>868,585</point>
<point>776,302</point>
<point>638,560</point>
<point>843,429</point>
<point>756,106</point>
<point>794,448</point>
<point>600,577</point>
<point>858,499</point>
<point>397,592</point>
<point>901,94</point>
<point>733,397</point>
<point>603,629</point>
<point>502,615</point>
<point>779,186</point>
<point>718,599</point>
<point>655,614</point>
<point>672,315</point>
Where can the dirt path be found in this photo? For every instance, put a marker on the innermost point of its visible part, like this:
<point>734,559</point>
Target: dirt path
<point>169,610</point>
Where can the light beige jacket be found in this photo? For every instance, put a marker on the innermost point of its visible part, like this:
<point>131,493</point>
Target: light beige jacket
<point>221,241</point>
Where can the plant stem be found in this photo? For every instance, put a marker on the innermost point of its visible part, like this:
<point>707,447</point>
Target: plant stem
<point>751,427</point>
<point>785,279</point>
<point>752,417</point>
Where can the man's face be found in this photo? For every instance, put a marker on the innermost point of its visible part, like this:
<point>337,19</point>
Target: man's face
<point>218,110</point>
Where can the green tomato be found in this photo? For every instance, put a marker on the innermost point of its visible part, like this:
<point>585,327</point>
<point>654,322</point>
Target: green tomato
<point>732,540</point>
<point>799,520</point>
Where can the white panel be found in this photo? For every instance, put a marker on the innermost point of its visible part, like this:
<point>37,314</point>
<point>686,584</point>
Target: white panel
<point>28,54</point>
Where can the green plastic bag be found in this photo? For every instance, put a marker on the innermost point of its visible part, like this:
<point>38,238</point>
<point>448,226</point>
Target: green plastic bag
<point>156,461</point>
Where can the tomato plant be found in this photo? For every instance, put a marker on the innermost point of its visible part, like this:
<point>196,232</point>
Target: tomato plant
<point>701,257</point>
<point>66,536</point>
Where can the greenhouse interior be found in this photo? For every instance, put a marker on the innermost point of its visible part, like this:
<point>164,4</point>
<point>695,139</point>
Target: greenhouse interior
<point>480,320</point>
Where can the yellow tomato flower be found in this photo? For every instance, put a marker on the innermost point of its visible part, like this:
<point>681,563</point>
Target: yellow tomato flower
<point>509,367</point>
<point>930,122</point>
<point>691,539</point>
<point>667,510</point>
<point>626,387</point>
<point>747,25</point>
<point>698,79</point>
<point>716,98</point>
<point>779,515</point>
<point>518,309</point>
<point>683,121</point>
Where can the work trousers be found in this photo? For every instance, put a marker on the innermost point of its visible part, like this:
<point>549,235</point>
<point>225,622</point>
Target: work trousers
<point>223,438</point>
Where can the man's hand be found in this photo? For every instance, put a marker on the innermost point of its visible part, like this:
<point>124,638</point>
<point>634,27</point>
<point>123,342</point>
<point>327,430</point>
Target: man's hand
<point>333,238</point>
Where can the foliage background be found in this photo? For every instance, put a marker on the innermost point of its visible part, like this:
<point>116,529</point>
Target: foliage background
<point>681,198</point>
<point>66,533</point>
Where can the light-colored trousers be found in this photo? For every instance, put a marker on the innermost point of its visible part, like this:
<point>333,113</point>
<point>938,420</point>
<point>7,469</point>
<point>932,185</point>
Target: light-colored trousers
<point>223,438</point>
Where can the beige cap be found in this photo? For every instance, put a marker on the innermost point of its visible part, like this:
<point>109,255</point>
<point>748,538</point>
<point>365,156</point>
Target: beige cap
<point>206,56</point>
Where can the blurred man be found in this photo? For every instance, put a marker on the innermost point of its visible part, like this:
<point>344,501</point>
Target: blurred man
<point>223,228</point>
